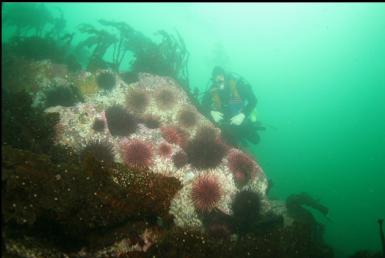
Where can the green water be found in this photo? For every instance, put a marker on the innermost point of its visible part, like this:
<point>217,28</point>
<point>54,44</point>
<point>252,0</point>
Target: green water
<point>318,71</point>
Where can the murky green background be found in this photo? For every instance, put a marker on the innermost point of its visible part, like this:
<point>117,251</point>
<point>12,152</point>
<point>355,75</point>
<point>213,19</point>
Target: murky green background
<point>318,71</point>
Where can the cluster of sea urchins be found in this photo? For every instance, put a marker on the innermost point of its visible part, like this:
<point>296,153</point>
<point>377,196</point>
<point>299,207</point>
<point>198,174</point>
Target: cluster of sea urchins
<point>206,192</point>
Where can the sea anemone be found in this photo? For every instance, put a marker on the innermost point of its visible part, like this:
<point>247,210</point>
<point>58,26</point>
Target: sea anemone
<point>165,98</point>
<point>179,159</point>
<point>206,192</point>
<point>137,154</point>
<point>119,121</point>
<point>246,210</point>
<point>205,151</point>
<point>151,121</point>
<point>164,149</point>
<point>99,125</point>
<point>187,117</point>
<point>242,167</point>
<point>106,80</point>
<point>137,100</point>
<point>97,151</point>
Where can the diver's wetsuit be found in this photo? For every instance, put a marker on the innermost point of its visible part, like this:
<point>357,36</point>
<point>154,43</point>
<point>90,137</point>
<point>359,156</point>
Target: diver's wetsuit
<point>236,97</point>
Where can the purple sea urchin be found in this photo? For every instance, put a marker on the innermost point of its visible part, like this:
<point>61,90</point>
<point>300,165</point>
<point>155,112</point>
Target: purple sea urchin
<point>179,159</point>
<point>205,150</point>
<point>98,151</point>
<point>99,125</point>
<point>106,80</point>
<point>165,98</point>
<point>119,121</point>
<point>187,117</point>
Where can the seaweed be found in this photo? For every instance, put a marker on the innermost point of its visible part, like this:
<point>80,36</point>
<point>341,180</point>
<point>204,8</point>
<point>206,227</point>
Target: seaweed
<point>100,40</point>
<point>26,17</point>
<point>169,57</point>
<point>36,48</point>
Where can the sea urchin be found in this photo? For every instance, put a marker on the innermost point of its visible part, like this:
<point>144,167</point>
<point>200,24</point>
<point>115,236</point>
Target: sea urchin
<point>179,159</point>
<point>206,192</point>
<point>97,151</point>
<point>119,121</point>
<point>187,118</point>
<point>205,151</point>
<point>174,135</point>
<point>99,125</point>
<point>106,80</point>
<point>137,100</point>
<point>137,154</point>
<point>165,98</point>
<point>164,149</point>
<point>242,167</point>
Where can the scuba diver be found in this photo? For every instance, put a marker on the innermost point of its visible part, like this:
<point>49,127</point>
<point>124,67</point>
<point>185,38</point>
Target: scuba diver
<point>230,103</point>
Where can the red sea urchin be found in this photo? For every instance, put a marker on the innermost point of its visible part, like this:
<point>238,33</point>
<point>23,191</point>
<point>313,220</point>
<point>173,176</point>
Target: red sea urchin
<point>174,135</point>
<point>206,192</point>
<point>164,150</point>
<point>242,167</point>
<point>137,154</point>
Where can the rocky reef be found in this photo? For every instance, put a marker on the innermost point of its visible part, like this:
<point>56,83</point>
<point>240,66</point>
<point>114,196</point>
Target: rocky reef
<point>143,192</point>
<point>97,163</point>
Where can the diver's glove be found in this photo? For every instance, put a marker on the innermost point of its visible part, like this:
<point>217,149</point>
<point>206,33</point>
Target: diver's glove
<point>238,119</point>
<point>217,116</point>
